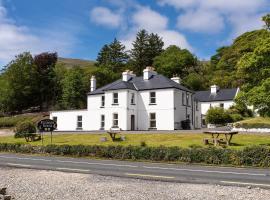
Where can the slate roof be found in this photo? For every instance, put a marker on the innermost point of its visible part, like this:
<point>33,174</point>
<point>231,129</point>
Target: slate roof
<point>222,95</point>
<point>138,83</point>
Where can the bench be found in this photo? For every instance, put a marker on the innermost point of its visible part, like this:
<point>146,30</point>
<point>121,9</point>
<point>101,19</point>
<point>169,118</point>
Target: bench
<point>31,137</point>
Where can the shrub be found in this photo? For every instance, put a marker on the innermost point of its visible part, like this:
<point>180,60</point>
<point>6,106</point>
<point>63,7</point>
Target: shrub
<point>236,117</point>
<point>256,156</point>
<point>217,115</point>
<point>24,128</point>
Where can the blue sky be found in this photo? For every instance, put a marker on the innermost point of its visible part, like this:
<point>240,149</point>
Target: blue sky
<point>78,29</point>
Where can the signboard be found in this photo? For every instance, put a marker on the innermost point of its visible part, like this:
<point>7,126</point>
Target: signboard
<point>47,125</point>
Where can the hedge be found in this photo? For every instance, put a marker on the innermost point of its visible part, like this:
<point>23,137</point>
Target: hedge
<point>256,156</point>
<point>247,125</point>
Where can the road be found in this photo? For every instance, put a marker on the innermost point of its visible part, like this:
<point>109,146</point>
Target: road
<point>154,171</point>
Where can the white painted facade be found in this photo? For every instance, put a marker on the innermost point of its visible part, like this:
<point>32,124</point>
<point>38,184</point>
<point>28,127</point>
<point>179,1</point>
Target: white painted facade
<point>205,106</point>
<point>138,114</point>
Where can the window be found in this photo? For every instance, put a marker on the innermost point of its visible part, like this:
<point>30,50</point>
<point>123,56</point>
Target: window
<point>152,98</point>
<point>115,98</point>
<point>183,98</point>
<point>187,100</point>
<point>79,122</point>
<point>153,122</point>
<point>102,101</point>
<point>221,105</point>
<point>115,120</point>
<point>132,100</point>
<point>102,122</point>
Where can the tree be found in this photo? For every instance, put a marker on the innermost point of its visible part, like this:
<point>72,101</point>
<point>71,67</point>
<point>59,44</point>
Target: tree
<point>259,97</point>
<point>113,56</point>
<point>254,67</point>
<point>145,48</point>
<point>105,76</point>
<point>74,90</point>
<point>45,63</point>
<point>194,81</point>
<point>19,87</point>
<point>266,20</point>
<point>175,61</point>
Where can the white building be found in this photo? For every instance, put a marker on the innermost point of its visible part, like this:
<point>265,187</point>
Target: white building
<point>215,97</point>
<point>150,102</point>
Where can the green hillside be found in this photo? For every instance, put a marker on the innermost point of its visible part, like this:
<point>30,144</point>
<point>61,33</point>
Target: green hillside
<point>69,62</point>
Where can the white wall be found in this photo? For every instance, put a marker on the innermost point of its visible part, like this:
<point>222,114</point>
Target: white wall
<point>169,111</point>
<point>205,106</point>
<point>67,120</point>
<point>164,109</point>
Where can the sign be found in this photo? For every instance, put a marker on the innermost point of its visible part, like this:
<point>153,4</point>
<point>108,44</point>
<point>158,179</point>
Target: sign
<point>47,125</point>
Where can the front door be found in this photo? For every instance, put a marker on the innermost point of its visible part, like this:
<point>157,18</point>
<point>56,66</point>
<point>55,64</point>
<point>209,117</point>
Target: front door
<point>132,126</point>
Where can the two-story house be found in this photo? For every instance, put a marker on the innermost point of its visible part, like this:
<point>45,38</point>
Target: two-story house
<point>215,97</point>
<point>149,102</point>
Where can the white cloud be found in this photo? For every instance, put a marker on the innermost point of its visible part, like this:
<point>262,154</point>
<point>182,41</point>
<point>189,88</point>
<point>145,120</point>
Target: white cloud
<point>152,21</point>
<point>210,16</point>
<point>15,39</point>
<point>145,18</point>
<point>104,16</point>
<point>201,21</point>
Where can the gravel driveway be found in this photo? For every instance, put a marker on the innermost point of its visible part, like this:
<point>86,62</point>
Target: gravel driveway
<point>41,185</point>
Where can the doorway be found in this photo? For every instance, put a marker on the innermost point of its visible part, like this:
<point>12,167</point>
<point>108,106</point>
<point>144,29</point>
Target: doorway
<point>132,123</point>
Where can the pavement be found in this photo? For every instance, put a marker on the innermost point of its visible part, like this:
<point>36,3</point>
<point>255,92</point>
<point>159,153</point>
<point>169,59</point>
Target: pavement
<point>143,170</point>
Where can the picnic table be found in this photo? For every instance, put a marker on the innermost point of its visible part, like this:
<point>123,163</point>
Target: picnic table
<point>215,136</point>
<point>113,132</point>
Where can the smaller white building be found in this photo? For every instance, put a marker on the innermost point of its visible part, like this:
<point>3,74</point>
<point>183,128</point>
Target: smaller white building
<point>215,97</point>
<point>149,102</point>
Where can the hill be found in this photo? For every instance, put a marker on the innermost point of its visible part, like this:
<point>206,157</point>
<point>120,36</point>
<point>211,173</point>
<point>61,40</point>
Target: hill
<point>70,62</point>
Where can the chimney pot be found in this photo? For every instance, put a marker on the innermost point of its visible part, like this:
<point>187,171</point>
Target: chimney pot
<point>214,89</point>
<point>93,83</point>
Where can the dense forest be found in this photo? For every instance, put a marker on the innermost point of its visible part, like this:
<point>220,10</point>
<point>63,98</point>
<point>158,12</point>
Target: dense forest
<point>43,82</point>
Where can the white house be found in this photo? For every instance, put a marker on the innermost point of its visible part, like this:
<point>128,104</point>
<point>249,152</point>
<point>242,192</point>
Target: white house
<point>215,97</point>
<point>149,102</point>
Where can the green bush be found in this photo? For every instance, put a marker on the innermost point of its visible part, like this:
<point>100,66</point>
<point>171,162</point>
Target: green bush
<point>236,117</point>
<point>218,115</point>
<point>256,156</point>
<point>24,128</point>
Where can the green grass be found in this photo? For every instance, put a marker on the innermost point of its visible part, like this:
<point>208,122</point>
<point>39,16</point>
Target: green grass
<point>256,122</point>
<point>182,140</point>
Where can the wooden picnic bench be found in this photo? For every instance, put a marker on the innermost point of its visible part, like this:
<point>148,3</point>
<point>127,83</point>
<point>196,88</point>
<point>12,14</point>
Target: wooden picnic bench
<point>215,136</point>
<point>113,132</point>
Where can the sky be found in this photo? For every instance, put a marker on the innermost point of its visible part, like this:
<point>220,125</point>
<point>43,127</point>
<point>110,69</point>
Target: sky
<point>78,29</point>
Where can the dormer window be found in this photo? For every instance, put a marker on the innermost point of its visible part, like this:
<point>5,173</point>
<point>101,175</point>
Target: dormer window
<point>152,98</point>
<point>132,100</point>
<point>115,98</point>
<point>102,101</point>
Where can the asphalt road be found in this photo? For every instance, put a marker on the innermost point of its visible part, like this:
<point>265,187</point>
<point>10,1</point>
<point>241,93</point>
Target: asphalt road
<point>142,170</point>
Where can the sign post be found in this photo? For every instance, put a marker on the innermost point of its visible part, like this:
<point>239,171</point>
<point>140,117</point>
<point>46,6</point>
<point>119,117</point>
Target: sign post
<point>46,125</point>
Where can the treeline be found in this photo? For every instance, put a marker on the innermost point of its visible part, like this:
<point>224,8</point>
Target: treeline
<point>42,83</point>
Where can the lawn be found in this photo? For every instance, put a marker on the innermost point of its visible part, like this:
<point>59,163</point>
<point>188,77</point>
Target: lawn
<point>182,140</point>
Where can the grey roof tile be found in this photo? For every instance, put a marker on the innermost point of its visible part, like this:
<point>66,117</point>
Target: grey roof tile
<point>139,84</point>
<point>222,95</point>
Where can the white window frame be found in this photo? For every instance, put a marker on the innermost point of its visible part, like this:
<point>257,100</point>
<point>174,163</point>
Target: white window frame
<point>115,120</point>
<point>154,120</point>
<point>102,122</point>
<point>115,99</point>
<point>132,100</point>
<point>154,98</point>
<point>188,99</point>
<point>102,101</point>
<point>79,122</point>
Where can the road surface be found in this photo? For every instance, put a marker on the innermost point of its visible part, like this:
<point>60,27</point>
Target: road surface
<point>142,170</point>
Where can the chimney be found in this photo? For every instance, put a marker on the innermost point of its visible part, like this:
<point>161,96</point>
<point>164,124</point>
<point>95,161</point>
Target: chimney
<point>93,84</point>
<point>214,89</point>
<point>127,75</point>
<point>176,79</point>
<point>148,72</point>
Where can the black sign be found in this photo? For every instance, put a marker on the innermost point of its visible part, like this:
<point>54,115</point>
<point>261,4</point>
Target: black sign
<point>47,125</point>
